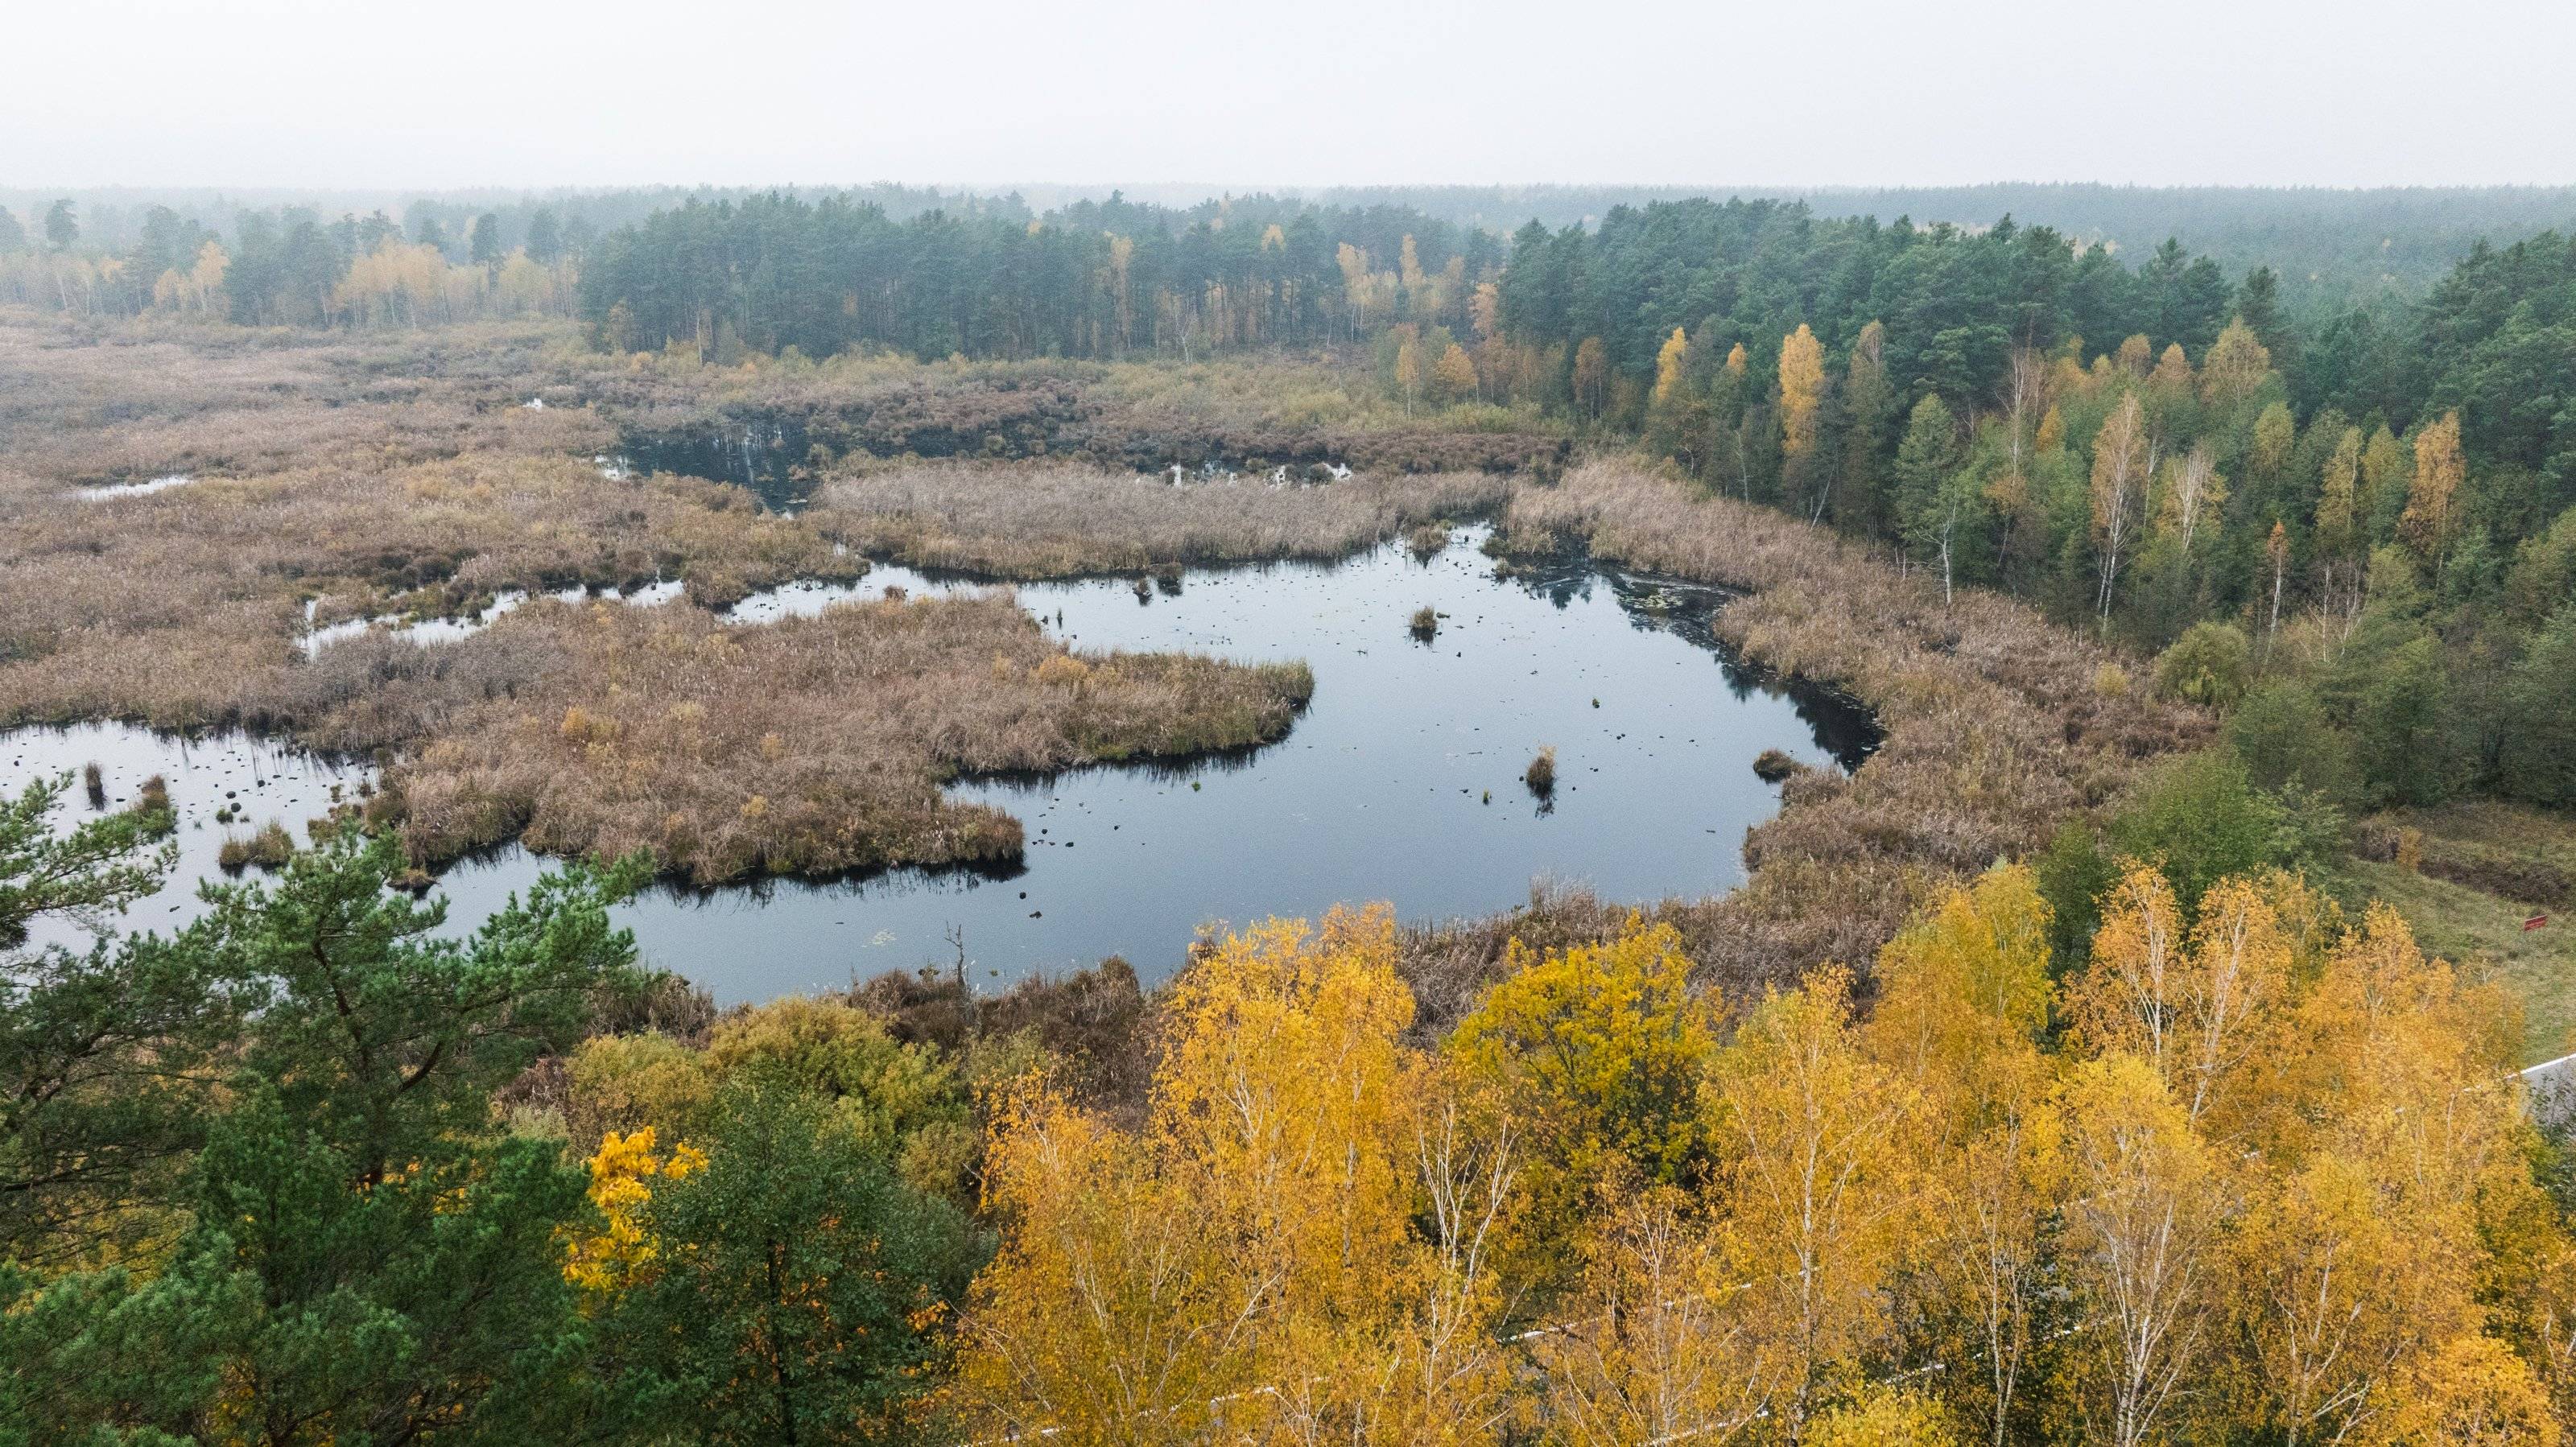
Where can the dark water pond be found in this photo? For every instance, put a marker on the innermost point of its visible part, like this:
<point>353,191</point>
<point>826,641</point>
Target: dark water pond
<point>1402,781</point>
<point>766,457</point>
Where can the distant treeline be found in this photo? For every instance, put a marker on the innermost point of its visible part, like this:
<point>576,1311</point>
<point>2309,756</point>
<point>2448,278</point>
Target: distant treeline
<point>2330,247</point>
<point>1097,279</point>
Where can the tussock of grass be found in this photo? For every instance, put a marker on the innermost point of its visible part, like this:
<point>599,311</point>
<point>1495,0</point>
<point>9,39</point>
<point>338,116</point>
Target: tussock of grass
<point>269,848</point>
<point>1426,623</point>
<point>1056,520</point>
<point>1541,773</point>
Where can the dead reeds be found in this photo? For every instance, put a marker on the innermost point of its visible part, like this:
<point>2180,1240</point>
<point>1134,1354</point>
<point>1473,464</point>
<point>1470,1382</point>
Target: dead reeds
<point>1053,520</point>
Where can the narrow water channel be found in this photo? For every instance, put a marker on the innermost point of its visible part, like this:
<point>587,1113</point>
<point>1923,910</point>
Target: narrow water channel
<point>1402,781</point>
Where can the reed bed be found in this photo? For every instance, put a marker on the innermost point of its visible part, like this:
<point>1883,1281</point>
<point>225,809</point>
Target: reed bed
<point>809,746</point>
<point>1053,520</point>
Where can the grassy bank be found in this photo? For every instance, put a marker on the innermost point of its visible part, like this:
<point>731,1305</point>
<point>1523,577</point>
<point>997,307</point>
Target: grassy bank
<point>2483,868</point>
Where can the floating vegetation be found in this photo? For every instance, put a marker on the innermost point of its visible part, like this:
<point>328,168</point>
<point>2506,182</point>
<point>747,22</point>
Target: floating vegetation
<point>270,848</point>
<point>1541,773</point>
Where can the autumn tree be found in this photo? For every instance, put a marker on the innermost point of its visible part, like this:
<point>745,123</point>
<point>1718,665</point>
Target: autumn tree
<point>2142,1250</point>
<point>1931,494</point>
<point>1662,1345</point>
<point>2119,482</point>
<point>1454,375</point>
<point>2433,502</point>
<point>1802,397</point>
<point>1817,1208</point>
<point>2236,367</point>
<point>1591,377</point>
<point>2339,518</point>
<point>1964,999</point>
<point>1252,1257</point>
<point>1597,1054</point>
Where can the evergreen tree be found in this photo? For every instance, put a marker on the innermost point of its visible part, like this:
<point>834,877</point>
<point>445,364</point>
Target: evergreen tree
<point>484,247</point>
<point>62,228</point>
<point>545,239</point>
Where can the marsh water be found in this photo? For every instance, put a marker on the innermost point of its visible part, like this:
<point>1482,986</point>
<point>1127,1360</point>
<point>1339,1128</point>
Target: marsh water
<point>1402,781</point>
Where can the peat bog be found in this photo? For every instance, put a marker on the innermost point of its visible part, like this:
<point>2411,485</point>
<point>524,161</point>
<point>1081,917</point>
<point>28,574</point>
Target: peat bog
<point>1402,780</point>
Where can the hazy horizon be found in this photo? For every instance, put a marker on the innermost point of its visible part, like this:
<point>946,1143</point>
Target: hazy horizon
<point>296,94</point>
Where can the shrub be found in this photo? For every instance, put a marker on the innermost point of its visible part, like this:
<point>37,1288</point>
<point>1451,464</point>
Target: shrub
<point>2202,819</point>
<point>2282,733</point>
<point>2208,665</point>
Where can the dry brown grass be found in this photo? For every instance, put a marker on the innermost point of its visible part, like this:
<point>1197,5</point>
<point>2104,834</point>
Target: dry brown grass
<point>810,746</point>
<point>183,607</point>
<point>1994,731</point>
<point>405,475</point>
<point>1052,520</point>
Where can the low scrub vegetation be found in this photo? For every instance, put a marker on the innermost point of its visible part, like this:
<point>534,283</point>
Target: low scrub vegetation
<point>1056,520</point>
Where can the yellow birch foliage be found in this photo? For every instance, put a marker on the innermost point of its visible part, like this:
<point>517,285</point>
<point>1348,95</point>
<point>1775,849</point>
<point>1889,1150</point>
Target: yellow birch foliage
<point>1591,376</point>
<point>2474,1393</point>
<point>2141,1249</point>
<point>1882,1417</point>
<point>1963,994</point>
<point>1818,1207</point>
<point>2339,496</point>
<point>2234,369</point>
<point>1598,1049</point>
<point>2432,511</point>
<point>2197,1010</point>
<point>621,1176</point>
<point>1249,1263</point>
<point>1113,1312</point>
<point>1455,373</point>
<point>1664,1345</point>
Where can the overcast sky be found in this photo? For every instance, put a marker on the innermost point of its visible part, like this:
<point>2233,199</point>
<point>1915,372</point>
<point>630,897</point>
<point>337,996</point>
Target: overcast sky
<point>460,93</point>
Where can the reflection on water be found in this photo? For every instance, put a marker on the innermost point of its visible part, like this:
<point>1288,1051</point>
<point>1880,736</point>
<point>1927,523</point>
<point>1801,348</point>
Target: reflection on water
<point>254,781</point>
<point>1402,780</point>
<point>765,457</point>
<point>466,625</point>
<point>133,489</point>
